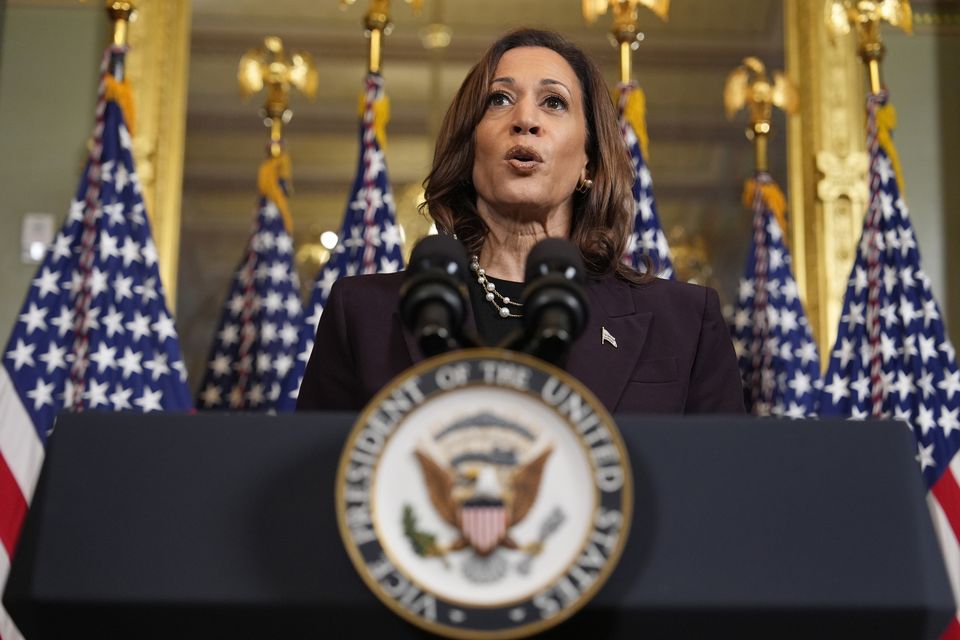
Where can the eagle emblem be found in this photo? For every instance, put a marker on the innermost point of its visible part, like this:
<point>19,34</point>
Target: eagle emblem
<point>482,474</point>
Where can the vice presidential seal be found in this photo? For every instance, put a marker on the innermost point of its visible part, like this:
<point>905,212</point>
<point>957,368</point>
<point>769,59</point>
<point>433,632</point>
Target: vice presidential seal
<point>484,494</point>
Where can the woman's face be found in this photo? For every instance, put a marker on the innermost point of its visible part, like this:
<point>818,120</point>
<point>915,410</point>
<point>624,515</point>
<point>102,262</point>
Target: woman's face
<point>531,142</point>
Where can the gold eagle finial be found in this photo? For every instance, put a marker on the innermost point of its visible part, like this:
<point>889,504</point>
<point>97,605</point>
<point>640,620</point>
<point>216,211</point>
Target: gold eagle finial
<point>749,86</point>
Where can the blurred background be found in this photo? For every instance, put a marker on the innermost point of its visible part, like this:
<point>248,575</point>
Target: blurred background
<point>698,159</point>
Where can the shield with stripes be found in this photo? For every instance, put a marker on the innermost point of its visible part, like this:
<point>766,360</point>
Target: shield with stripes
<point>484,525</point>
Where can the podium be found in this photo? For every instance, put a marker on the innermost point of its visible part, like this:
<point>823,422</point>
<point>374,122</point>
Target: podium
<point>210,526</point>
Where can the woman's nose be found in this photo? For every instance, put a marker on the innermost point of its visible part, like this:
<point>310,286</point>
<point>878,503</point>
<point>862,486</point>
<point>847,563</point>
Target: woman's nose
<point>526,119</point>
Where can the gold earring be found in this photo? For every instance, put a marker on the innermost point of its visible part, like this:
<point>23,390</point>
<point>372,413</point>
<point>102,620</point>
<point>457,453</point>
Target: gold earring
<point>584,184</point>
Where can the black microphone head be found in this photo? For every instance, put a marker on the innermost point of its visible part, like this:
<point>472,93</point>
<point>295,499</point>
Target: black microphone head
<point>439,252</point>
<point>555,256</point>
<point>433,298</point>
<point>554,299</point>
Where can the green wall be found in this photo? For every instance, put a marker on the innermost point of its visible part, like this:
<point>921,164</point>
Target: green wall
<point>921,73</point>
<point>49,61</point>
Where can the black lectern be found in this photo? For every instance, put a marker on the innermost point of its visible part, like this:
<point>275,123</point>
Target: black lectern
<point>212,526</point>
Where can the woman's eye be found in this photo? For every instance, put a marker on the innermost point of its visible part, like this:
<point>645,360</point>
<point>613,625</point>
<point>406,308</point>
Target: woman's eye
<point>555,102</point>
<point>498,99</point>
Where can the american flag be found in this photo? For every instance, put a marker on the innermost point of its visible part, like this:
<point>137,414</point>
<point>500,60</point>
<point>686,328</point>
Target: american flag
<point>256,341</point>
<point>647,237</point>
<point>779,363</point>
<point>94,331</point>
<point>892,357</point>
<point>369,240</point>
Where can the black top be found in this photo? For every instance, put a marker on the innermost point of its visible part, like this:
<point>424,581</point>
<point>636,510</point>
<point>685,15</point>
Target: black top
<point>491,327</point>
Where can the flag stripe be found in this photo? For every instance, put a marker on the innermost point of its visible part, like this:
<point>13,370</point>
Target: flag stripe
<point>8,630</point>
<point>948,544</point>
<point>19,444</point>
<point>953,631</point>
<point>947,492</point>
<point>15,508</point>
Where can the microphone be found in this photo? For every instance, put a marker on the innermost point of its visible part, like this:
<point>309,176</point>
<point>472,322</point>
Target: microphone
<point>554,300</point>
<point>433,297</point>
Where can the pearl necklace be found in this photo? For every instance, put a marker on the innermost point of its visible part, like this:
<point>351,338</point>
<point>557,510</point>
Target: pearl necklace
<point>491,293</point>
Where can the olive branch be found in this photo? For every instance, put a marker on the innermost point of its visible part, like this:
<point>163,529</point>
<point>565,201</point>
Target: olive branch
<point>424,543</point>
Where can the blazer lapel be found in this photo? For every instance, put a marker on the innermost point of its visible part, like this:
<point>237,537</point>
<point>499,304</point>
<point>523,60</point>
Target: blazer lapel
<point>595,361</point>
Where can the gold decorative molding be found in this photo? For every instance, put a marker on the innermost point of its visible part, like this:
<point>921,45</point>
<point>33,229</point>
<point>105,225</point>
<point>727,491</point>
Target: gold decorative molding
<point>827,163</point>
<point>157,65</point>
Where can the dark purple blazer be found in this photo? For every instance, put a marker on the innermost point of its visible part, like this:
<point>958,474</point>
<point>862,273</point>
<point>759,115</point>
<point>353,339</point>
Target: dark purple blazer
<point>673,353</point>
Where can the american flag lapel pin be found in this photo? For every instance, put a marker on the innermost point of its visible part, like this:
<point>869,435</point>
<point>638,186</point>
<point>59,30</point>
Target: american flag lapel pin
<point>607,337</point>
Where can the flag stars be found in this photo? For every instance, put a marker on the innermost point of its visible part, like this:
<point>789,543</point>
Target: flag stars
<point>114,213</point>
<point>22,355</point>
<point>925,456</point>
<point>854,316</point>
<point>96,394</point>
<point>789,290</point>
<point>150,400</point>
<point>139,326</point>
<point>929,312</point>
<point>130,362</point>
<point>63,322</point>
<point>862,386</point>
<point>46,283</point>
<point>130,251</point>
<point>837,388</point>
<point>147,291</point>
<point>157,366</point>
<point>42,394</point>
<point>220,365</point>
<point>904,385</point>
<point>211,396</point>
<point>284,244</point>
<point>120,398</point>
<point>105,357</point>
<point>950,384</point>
<point>289,334</point>
<point>948,421</point>
<point>230,334</point>
<point>807,353</point>
<point>55,357</point>
<point>164,328</point>
<point>122,288</point>
<point>800,383</point>
<point>884,169</point>
<point>34,318</point>
<point>888,347</point>
<point>906,241</point>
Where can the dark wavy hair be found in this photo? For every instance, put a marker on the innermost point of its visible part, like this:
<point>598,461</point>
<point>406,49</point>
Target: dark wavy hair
<point>601,217</point>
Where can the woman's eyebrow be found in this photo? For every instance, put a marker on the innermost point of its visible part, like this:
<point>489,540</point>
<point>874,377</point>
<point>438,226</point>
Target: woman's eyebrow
<point>543,83</point>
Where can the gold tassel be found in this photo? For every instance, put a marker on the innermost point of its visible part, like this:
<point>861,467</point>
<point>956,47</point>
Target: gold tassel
<point>635,113</point>
<point>381,116</point>
<point>772,196</point>
<point>268,181</point>
<point>122,94</point>
<point>886,123</point>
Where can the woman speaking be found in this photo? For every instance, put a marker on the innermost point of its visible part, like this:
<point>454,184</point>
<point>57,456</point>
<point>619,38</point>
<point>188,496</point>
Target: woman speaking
<point>529,149</point>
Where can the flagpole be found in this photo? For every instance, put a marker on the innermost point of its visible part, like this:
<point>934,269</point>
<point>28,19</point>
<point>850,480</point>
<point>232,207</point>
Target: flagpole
<point>749,87</point>
<point>626,25</point>
<point>867,19</point>
<point>121,14</point>
<point>271,67</point>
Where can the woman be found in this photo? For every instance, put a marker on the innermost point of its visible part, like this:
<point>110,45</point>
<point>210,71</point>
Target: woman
<point>529,149</point>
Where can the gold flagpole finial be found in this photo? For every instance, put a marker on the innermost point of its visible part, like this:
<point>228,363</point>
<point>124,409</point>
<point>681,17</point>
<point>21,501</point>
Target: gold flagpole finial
<point>867,16</point>
<point>749,86</point>
<point>626,24</point>
<point>271,67</point>
<point>121,13</point>
<point>376,22</point>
